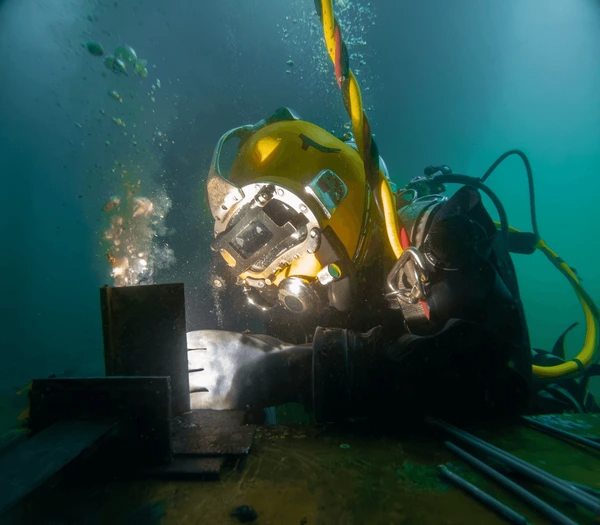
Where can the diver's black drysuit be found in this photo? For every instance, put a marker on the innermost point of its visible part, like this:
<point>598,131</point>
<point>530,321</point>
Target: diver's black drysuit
<point>475,359</point>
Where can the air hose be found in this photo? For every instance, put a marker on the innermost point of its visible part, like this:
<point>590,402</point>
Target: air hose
<point>367,149</point>
<point>588,353</point>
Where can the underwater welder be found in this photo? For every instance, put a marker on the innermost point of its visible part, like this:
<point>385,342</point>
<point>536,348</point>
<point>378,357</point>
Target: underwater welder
<point>350,329</point>
<point>377,301</point>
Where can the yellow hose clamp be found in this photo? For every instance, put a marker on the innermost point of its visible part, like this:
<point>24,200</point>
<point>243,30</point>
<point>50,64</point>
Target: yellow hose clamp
<point>411,264</point>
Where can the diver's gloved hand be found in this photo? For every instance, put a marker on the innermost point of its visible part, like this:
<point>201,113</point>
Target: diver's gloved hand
<point>231,370</point>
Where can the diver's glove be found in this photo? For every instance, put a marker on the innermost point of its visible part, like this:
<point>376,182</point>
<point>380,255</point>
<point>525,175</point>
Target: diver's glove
<point>231,370</point>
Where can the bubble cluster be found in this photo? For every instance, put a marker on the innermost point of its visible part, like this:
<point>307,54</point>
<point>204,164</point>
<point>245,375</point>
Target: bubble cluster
<point>302,34</point>
<point>133,236</point>
<point>136,226</point>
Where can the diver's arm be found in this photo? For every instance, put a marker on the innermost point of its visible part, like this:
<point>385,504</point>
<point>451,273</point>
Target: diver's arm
<point>459,371</point>
<point>463,368</point>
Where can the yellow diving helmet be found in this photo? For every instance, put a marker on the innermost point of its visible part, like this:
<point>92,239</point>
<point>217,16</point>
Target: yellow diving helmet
<point>292,216</point>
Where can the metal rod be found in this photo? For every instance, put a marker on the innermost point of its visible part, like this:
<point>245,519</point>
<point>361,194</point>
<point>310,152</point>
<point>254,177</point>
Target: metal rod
<point>589,490</point>
<point>483,497</point>
<point>540,476</point>
<point>541,506</point>
<point>563,433</point>
<point>585,488</point>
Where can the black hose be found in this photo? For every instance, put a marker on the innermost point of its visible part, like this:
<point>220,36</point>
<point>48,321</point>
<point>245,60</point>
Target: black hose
<point>476,183</point>
<point>529,171</point>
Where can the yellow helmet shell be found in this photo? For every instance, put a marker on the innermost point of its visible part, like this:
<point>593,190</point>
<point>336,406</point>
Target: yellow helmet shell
<point>291,153</point>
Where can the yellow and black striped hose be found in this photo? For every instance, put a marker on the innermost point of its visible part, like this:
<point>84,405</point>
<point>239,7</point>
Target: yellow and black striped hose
<point>376,180</point>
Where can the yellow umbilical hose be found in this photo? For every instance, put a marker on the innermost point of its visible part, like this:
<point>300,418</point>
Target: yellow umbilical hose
<point>586,355</point>
<point>382,192</point>
<point>390,215</point>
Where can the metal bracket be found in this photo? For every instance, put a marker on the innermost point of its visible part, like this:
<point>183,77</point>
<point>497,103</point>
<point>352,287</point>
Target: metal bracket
<point>420,278</point>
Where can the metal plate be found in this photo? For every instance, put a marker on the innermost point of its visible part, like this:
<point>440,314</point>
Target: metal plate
<point>41,458</point>
<point>142,405</point>
<point>145,335</point>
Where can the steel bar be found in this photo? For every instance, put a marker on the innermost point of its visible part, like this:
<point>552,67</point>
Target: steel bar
<point>538,475</point>
<point>483,497</point>
<point>562,433</point>
<point>541,506</point>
